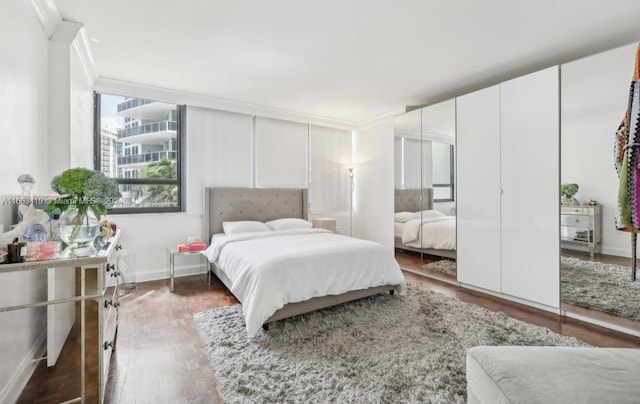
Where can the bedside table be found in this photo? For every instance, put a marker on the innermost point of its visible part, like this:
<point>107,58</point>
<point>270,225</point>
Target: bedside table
<point>173,252</point>
<point>328,223</point>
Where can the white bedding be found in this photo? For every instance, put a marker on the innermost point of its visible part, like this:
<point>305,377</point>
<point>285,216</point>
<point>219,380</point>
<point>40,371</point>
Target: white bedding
<point>272,268</point>
<point>435,232</point>
<point>398,229</point>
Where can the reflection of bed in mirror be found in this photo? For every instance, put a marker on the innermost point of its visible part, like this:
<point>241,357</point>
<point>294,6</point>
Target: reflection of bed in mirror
<point>420,228</point>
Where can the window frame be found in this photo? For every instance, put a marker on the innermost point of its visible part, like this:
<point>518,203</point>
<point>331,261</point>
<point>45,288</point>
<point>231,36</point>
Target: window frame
<point>181,116</point>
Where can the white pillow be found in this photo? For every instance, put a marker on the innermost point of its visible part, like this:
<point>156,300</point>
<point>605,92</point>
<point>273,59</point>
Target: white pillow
<point>245,226</point>
<point>403,217</point>
<point>289,223</point>
<point>431,213</point>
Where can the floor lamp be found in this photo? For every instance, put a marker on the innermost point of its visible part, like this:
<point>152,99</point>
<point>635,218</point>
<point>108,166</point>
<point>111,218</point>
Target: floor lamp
<point>351,188</point>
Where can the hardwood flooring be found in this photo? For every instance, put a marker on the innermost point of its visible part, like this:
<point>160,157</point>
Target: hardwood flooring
<point>160,357</point>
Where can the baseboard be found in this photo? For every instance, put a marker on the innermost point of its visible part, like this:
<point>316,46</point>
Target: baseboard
<point>163,273</point>
<point>618,252</point>
<point>525,302</point>
<point>601,323</point>
<point>431,276</point>
<point>16,384</point>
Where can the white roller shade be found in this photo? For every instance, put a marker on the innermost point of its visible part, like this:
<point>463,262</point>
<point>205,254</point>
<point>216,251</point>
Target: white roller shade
<point>281,153</point>
<point>330,152</point>
<point>218,150</point>
<point>398,172</point>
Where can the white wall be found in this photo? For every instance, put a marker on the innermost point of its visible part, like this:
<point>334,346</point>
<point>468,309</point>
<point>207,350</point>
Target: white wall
<point>373,198</point>
<point>23,135</point>
<point>594,94</point>
<point>23,97</point>
<point>81,113</point>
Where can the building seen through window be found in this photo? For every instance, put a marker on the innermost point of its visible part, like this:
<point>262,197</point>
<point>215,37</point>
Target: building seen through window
<point>139,146</point>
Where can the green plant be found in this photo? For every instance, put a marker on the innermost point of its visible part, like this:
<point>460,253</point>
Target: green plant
<point>84,190</point>
<point>568,191</point>
<point>161,169</point>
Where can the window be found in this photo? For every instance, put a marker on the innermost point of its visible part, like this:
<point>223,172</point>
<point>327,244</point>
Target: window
<point>442,157</point>
<point>138,142</point>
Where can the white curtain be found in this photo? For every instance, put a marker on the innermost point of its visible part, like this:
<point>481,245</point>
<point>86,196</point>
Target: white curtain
<point>330,153</point>
<point>218,150</point>
<point>281,153</point>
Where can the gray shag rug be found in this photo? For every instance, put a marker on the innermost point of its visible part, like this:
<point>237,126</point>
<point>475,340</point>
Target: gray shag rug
<point>409,347</point>
<point>602,287</point>
<point>444,265</point>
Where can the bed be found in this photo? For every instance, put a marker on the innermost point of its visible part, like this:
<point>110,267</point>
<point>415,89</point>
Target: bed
<point>420,228</point>
<point>283,271</point>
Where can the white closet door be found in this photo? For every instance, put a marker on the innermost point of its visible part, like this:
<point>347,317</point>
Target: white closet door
<point>530,181</point>
<point>478,191</point>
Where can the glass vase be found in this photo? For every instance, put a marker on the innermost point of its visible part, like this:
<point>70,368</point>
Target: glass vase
<point>78,232</point>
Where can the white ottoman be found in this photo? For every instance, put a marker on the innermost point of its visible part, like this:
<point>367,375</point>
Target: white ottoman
<point>527,375</point>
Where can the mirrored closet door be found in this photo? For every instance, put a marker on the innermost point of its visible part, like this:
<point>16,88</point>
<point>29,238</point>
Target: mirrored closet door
<point>424,218</point>
<point>595,257</point>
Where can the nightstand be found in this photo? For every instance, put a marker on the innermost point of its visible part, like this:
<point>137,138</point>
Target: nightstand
<point>173,252</point>
<point>328,223</point>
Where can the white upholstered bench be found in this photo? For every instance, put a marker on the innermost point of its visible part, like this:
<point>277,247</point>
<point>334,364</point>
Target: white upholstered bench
<point>527,375</point>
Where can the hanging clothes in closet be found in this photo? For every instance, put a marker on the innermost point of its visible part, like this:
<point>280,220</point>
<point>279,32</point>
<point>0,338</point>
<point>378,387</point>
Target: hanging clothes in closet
<point>627,161</point>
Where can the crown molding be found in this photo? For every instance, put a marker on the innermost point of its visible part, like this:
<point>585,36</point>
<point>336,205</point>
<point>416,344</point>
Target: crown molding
<point>82,46</point>
<point>48,15</point>
<point>120,87</point>
<point>380,119</point>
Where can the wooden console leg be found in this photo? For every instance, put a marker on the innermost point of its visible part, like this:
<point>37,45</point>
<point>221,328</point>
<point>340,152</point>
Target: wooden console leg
<point>392,291</point>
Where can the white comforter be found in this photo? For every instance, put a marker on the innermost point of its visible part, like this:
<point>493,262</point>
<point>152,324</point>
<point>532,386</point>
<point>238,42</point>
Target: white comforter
<point>435,232</point>
<point>272,268</point>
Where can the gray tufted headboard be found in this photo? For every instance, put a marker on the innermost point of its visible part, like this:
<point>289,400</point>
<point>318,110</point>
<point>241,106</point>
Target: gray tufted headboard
<point>261,204</point>
<point>408,200</point>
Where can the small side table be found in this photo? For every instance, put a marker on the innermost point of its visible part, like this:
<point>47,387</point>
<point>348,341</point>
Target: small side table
<point>328,223</point>
<point>173,252</point>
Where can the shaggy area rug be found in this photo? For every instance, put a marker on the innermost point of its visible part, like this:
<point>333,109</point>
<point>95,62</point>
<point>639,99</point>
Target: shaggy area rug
<point>602,287</point>
<point>444,265</point>
<point>385,349</point>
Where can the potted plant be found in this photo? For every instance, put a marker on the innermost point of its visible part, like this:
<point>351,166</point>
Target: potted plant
<point>85,197</point>
<point>567,191</point>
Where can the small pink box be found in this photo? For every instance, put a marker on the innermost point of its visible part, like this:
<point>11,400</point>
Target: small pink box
<point>197,246</point>
<point>46,250</point>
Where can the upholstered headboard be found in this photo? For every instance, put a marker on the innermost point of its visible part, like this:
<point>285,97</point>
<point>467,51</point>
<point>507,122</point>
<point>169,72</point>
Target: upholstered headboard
<point>408,200</point>
<point>261,204</point>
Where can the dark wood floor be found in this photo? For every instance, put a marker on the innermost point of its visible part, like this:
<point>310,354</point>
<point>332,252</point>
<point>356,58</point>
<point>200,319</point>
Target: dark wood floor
<point>160,357</point>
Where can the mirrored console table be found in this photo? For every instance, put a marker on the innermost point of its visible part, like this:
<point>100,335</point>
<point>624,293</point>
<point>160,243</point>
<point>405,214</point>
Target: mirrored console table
<point>64,327</point>
<point>580,227</point>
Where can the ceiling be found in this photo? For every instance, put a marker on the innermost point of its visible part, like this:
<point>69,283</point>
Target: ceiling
<point>345,60</point>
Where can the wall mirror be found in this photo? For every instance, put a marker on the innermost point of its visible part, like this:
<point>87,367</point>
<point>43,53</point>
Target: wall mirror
<point>595,257</point>
<point>424,218</point>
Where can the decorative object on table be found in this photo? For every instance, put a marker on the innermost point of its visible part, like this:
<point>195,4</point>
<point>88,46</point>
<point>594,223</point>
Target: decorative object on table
<point>35,232</point>
<point>26,182</point>
<point>17,251</point>
<point>592,202</point>
<point>30,215</point>
<point>627,158</point>
<point>85,197</point>
<point>104,233</point>
<point>567,191</point>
